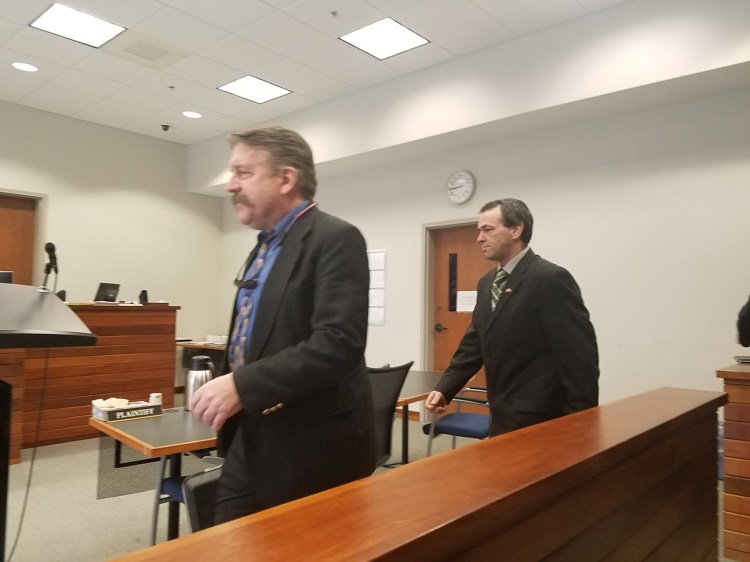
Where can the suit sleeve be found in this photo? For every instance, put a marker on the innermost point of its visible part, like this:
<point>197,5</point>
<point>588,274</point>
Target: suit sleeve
<point>572,341</point>
<point>466,361</point>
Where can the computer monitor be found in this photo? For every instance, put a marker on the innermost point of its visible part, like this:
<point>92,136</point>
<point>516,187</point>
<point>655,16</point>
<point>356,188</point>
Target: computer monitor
<point>107,292</point>
<point>6,277</point>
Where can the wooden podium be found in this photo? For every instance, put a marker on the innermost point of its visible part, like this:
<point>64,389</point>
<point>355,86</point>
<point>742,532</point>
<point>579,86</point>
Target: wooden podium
<point>133,357</point>
<point>736,461</point>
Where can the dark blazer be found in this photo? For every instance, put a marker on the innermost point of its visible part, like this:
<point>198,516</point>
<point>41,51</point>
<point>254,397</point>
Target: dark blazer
<point>306,423</point>
<point>538,347</point>
<point>743,325</point>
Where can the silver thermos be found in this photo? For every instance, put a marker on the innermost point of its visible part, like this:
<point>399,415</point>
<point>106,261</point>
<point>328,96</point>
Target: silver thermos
<point>201,371</point>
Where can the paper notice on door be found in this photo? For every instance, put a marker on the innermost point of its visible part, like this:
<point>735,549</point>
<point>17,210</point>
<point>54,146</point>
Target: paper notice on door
<point>466,301</point>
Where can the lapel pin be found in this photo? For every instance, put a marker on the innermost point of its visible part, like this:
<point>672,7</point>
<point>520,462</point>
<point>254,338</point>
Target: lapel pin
<point>508,290</point>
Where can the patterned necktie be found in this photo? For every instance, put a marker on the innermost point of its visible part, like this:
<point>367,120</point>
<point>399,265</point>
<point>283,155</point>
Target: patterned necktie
<point>238,341</point>
<point>497,287</point>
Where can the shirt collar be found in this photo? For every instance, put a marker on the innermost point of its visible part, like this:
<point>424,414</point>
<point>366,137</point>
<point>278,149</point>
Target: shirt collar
<point>511,265</point>
<point>278,231</point>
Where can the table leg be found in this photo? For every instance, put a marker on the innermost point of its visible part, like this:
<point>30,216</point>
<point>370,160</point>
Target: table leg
<point>175,471</point>
<point>405,434</point>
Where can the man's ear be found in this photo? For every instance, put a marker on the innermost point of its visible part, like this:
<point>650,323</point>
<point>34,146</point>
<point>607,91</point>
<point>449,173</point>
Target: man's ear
<point>516,231</point>
<point>288,180</point>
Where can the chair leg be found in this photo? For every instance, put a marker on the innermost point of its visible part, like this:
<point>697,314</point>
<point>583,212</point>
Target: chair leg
<point>431,436</point>
<point>453,446</point>
<point>157,498</point>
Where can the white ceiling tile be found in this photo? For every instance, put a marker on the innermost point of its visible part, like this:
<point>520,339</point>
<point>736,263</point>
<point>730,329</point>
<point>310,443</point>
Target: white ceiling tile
<point>334,57</point>
<point>48,46</point>
<point>327,90</point>
<point>370,75</point>
<point>47,70</point>
<point>58,99</point>
<point>74,79</point>
<point>350,15</point>
<point>24,12</point>
<point>473,38</point>
<point>241,54</point>
<point>541,16</point>
<point>390,6</point>
<point>203,71</point>
<point>432,19</point>
<point>143,99</point>
<point>595,5</point>
<point>105,65</point>
<point>111,113</point>
<point>230,14</point>
<point>8,29</point>
<point>180,29</point>
<point>170,86</point>
<point>283,34</point>
<point>292,75</point>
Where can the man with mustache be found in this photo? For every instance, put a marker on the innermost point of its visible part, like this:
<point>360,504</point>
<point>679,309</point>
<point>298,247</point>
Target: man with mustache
<point>530,330</point>
<point>294,410</point>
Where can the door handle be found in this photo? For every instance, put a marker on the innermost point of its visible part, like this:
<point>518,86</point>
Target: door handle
<point>439,327</point>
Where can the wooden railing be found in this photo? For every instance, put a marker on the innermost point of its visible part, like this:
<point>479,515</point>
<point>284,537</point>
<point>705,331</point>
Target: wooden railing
<point>633,479</point>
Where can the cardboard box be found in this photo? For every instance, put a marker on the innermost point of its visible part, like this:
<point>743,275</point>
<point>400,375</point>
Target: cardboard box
<point>132,411</point>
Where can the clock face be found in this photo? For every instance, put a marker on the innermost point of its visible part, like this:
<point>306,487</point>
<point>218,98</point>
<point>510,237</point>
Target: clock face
<point>460,186</point>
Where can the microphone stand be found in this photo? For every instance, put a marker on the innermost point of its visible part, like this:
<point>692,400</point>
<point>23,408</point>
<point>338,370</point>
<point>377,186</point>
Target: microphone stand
<point>47,270</point>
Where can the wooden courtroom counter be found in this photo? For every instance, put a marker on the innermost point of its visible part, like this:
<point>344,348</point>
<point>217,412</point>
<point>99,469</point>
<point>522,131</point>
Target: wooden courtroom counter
<point>633,478</point>
<point>736,461</point>
<point>134,356</point>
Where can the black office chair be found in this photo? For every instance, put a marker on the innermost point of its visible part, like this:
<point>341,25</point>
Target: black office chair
<point>199,492</point>
<point>461,424</point>
<point>386,383</point>
<point>170,489</point>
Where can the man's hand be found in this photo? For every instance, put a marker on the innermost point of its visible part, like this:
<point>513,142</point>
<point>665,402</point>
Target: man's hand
<point>435,402</point>
<point>216,401</point>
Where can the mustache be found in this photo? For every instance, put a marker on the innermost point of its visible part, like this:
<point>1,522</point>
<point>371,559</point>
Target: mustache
<point>240,198</point>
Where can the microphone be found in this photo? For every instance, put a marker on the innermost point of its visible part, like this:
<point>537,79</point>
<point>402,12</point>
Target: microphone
<point>49,247</point>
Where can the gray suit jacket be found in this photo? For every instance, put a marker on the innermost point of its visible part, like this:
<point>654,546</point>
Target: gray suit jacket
<point>538,347</point>
<point>306,423</point>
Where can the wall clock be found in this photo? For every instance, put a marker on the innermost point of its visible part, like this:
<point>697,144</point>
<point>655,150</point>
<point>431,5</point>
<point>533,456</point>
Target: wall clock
<point>460,187</point>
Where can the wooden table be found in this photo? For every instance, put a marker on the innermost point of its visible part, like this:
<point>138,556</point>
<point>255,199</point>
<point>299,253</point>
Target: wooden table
<point>417,387</point>
<point>171,434</point>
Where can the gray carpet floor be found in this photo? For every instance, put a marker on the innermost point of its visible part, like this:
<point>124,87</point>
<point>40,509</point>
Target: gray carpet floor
<point>65,522</point>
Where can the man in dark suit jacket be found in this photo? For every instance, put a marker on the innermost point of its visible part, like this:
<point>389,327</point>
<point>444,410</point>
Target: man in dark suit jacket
<point>535,340</point>
<point>743,325</point>
<point>294,415</point>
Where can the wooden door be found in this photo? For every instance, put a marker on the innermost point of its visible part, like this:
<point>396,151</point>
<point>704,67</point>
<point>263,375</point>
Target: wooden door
<point>17,228</point>
<point>453,248</point>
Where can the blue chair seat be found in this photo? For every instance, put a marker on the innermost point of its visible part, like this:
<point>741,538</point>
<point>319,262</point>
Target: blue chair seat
<point>462,424</point>
<point>173,488</point>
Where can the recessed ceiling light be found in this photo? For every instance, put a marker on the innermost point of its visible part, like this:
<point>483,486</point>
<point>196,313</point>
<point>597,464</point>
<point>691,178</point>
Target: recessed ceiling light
<point>26,67</point>
<point>384,39</point>
<point>254,89</point>
<point>72,24</point>
<point>192,114</point>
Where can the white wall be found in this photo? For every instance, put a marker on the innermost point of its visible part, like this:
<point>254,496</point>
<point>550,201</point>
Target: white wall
<point>115,205</point>
<point>648,210</point>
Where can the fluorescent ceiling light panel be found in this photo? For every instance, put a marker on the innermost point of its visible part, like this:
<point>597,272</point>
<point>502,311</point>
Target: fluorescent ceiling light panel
<point>75,25</point>
<point>254,89</point>
<point>384,39</point>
